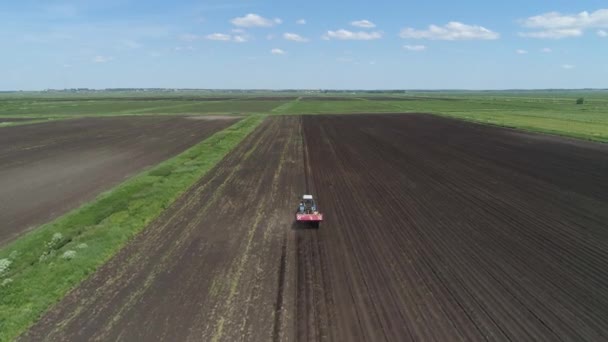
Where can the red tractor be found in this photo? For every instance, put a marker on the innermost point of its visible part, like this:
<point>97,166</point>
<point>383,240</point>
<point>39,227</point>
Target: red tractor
<point>307,212</point>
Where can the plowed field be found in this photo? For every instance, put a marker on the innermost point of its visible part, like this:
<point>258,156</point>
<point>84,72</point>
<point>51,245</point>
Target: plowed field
<point>50,168</point>
<point>435,229</point>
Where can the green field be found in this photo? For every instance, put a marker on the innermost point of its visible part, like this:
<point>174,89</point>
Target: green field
<point>554,112</point>
<point>91,107</point>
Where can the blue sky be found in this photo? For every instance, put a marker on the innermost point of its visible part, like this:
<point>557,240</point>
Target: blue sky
<point>438,44</point>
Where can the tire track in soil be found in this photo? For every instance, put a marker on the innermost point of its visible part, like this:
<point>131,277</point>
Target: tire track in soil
<point>312,299</point>
<point>276,328</point>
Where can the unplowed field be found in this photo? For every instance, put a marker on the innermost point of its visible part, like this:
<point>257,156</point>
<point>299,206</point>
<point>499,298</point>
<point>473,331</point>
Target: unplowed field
<point>47,169</point>
<point>436,230</point>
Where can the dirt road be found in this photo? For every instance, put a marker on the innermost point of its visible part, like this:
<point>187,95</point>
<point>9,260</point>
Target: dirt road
<point>436,230</point>
<point>47,169</point>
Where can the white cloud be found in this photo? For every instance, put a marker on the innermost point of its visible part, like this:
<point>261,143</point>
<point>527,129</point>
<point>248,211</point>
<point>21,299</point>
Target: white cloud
<point>415,48</point>
<point>554,25</point>
<point>301,22</point>
<point>349,35</point>
<point>547,50</point>
<point>451,31</point>
<point>553,34</point>
<point>102,59</point>
<point>567,66</point>
<point>188,37</point>
<point>276,51</point>
<point>184,48</point>
<point>602,33</point>
<point>294,37</point>
<point>219,36</point>
<point>254,20</point>
<point>270,37</point>
<point>521,52</point>
<point>239,39</point>
<point>555,20</point>
<point>238,30</point>
<point>363,23</point>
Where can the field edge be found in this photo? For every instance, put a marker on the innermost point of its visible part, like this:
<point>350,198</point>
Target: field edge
<point>507,123</point>
<point>523,127</point>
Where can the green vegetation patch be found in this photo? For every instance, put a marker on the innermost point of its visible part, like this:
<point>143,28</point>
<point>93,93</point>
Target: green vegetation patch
<point>554,125</point>
<point>216,107</point>
<point>66,107</point>
<point>38,269</point>
<point>24,122</point>
<point>558,114</point>
<point>338,107</point>
<point>575,113</point>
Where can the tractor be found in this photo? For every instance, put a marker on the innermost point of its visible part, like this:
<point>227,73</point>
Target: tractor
<point>308,213</point>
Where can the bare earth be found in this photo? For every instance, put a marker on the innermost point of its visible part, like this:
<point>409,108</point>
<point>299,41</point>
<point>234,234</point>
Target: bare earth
<point>47,169</point>
<point>436,230</point>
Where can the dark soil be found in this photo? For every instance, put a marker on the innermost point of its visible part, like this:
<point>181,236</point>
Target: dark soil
<point>50,168</point>
<point>435,229</point>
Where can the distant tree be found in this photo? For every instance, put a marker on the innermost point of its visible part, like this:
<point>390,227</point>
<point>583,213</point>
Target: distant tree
<point>580,101</point>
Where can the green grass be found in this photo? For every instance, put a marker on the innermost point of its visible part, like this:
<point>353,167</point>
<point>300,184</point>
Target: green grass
<point>546,111</point>
<point>67,107</point>
<point>216,107</point>
<point>26,122</point>
<point>554,115</point>
<point>40,275</point>
<point>582,128</point>
<point>343,107</point>
<point>560,116</point>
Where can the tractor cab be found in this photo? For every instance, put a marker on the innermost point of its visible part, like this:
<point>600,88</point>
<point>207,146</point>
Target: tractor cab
<point>308,204</point>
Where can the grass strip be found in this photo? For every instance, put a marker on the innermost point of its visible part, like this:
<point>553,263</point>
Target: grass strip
<point>25,122</point>
<point>38,269</point>
<point>596,132</point>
